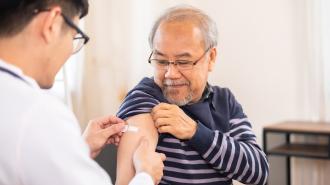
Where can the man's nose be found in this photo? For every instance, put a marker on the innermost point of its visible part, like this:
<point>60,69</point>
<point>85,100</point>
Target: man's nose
<point>172,71</point>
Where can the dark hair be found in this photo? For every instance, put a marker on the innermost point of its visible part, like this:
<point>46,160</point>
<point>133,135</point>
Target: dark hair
<point>16,14</point>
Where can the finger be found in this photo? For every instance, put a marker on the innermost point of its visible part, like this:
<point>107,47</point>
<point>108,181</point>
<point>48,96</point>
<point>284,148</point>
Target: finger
<point>161,106</point>
<point>162,156</point>
<point>165,129</point>
<point>162,122</point>
<point>113,138</point>
<point>161,114</point>
<point>111,141</point>
<point>103,120</point>
<point>120,134</point>
<point>116,120</point>
<point>112,130</point>
<point>117,139</point>
<point>106,121</point>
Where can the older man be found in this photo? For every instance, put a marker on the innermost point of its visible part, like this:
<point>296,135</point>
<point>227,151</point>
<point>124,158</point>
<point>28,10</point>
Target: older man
<point>40,138</point>
<point>201,128</point>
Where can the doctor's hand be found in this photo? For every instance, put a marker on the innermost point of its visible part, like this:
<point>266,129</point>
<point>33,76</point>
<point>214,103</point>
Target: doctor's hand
<point>103,131</point>
<point>145,159</point>
<point>171,119</point>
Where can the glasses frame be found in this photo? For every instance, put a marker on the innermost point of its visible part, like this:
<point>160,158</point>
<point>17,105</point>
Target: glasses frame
<point>193,63</point>
<point>70,23</point>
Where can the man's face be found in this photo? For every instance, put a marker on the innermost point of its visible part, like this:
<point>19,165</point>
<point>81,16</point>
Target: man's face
<point>61,51</point>
<point>181,41</point>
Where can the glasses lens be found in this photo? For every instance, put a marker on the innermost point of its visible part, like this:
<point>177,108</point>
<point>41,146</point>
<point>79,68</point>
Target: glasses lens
<point>159,64</point>
<point>184,65</point>
<point>78,43</point>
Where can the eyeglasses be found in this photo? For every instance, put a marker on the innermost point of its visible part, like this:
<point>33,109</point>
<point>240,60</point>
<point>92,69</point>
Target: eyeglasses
<point>79,40</point>
<point>160,64</point>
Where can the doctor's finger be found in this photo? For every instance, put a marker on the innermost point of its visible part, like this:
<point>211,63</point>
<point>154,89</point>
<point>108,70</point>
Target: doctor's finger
<point>112,130</point>
<point>111,120</point>
<point>115,120</point>
<point>117,139</point>
<point>111,141</point>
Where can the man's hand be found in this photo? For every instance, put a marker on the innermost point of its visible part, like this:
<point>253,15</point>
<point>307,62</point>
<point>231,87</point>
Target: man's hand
<point>103,131</point>
<point>171,119</point>
<point>145,159</point>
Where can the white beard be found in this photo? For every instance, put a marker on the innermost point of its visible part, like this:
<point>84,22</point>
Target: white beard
<point>182,102</point>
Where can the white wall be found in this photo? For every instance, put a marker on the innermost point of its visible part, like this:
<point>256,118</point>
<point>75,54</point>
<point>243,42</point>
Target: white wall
<point>264,56</point>
<point>262,51</point>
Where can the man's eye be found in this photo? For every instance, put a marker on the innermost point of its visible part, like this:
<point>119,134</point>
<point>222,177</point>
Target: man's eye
<point>162,62</point>
<point>183,62</point>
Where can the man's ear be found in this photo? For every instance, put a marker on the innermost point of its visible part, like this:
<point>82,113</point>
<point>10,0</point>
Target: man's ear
<point>213,56</point>
<point>52,24</point>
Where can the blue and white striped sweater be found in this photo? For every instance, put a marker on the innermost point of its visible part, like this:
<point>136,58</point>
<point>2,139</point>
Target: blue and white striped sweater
<point>223,148</point>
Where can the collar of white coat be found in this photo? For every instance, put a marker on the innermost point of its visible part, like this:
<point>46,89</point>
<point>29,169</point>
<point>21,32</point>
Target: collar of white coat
<point>30,81</point>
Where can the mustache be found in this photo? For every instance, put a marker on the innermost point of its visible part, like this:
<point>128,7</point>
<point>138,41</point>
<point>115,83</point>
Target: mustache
<point>175,82</point>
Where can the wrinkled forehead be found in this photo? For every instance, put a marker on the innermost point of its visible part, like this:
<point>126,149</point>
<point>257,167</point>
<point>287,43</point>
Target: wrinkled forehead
<point>183,36</point>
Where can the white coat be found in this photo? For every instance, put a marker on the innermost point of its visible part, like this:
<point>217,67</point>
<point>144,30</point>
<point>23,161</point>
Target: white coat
<point>40,139</point>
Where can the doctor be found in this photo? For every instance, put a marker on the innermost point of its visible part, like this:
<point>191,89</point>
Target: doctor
<point>40,138</point>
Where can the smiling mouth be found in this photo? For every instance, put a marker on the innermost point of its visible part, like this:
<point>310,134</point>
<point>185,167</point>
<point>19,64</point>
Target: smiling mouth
<point>176,85</point>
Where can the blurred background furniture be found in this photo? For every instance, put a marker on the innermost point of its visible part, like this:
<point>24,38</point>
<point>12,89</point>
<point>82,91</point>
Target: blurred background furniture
<point>319,149</point>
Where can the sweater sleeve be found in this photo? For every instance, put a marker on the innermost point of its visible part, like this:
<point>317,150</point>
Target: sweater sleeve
<point>234,153</point>
<point>136,102</point>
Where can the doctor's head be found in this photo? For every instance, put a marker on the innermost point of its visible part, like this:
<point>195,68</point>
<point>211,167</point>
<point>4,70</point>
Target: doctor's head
<point>40,35</point>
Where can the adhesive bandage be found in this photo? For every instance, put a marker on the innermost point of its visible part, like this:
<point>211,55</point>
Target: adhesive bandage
<point>130,128</point>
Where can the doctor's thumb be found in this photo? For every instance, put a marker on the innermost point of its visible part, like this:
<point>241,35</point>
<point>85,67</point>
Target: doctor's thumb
<point>113,129</point>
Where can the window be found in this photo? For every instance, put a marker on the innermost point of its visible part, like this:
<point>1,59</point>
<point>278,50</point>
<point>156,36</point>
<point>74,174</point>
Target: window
<point>325,52</point>
<point>67,78</point>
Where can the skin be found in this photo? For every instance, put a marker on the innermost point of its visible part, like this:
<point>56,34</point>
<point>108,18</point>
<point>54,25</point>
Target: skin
<point>182,40</point>
<point>102,131</point>
<point>172,41</point>
<point>129,143</point>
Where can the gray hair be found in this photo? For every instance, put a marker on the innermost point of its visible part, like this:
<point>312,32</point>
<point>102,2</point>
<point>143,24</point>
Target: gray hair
<point>188,13</point>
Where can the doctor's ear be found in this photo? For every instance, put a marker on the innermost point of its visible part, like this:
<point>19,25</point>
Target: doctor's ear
<point>213,56</point>
<point>51,23</point>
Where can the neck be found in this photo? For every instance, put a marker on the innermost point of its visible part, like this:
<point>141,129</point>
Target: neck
<point>17,51</point>
<point>199,95</point>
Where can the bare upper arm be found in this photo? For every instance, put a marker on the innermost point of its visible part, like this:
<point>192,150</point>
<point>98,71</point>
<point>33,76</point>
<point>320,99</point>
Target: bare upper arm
<point>128,144</point>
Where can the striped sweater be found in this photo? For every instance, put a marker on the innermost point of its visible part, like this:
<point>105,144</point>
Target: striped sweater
<point>223,147</point>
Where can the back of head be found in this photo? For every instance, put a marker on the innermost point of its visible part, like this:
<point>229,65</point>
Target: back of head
<point>189,13</point>
<point>16,14</point>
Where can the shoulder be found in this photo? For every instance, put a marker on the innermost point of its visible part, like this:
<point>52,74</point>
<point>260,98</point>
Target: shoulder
<point>141,99</point>
<point>51,111</point>
<point>222,94</point>
<point>224,98</point>
<point>147,88</point>
<point>39,110</point>
<point>25,102</point>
